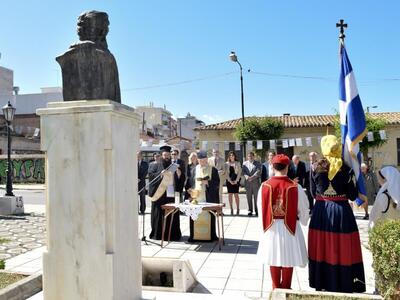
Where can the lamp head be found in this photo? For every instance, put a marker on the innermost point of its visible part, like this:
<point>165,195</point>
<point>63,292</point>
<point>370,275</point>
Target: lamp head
<point>8,111</point>
<point>233,56</point>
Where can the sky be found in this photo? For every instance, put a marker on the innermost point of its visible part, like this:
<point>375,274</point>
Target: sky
<point>175,53</point>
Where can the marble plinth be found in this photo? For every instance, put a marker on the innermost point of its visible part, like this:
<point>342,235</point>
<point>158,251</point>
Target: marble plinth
<point>93,248</point>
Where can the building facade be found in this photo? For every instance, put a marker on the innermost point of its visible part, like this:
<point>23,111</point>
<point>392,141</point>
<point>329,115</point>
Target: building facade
<point>157,121</point>
<point>187,125</point>
<point>6,81</point>
<point>26,124</point>
<point>314,127</point>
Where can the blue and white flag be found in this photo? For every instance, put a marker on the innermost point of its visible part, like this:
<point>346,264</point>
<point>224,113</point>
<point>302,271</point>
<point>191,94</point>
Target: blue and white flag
<point>352,121</point>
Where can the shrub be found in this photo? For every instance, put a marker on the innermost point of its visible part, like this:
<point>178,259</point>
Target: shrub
<point>384,241</point>
<point>264,129</point>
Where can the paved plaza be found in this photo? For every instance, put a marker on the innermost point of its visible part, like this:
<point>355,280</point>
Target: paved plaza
<point>233,271</point>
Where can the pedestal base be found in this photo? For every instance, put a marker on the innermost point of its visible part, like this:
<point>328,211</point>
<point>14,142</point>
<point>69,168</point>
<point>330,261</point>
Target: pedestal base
<point>93,248</point>
<point>11,205</point>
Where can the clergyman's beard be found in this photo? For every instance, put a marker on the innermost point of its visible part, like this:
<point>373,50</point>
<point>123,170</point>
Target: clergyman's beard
<point>166,162</point>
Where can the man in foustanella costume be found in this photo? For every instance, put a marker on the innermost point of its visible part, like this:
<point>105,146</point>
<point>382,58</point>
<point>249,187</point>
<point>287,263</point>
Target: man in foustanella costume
<point>162,191</point>
<point>334,248</point>
<point>283,205</point>
<point>206,188</point>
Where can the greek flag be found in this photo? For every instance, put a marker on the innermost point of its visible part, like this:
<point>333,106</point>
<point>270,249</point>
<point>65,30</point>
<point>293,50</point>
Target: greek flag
<point>352,121</point>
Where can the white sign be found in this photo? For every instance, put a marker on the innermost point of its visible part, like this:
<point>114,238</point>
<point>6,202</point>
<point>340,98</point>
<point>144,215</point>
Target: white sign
<point>237,146</point>
<point>370,136</point>
<point>285,144</point>
<point>382,134</point>
<point>308,141</point>
<point>226,146</point>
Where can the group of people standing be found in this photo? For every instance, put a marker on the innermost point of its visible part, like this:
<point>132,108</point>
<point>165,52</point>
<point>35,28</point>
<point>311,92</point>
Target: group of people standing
<point>333,254</point>
<point>283,194</point>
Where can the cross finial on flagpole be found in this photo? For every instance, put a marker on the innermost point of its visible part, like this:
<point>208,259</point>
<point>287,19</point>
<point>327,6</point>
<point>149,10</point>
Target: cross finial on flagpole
<point>342,25</point>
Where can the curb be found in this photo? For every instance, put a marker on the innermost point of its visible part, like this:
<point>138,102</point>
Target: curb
<point>281,294</point>
<point>33,187</point>
<point>23,288</point>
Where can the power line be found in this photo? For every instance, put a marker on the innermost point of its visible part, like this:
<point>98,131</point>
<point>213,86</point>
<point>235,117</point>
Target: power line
<point>281,75</point>
<point>370,81</point>
<point>292,76</point>
<point>181,82</point>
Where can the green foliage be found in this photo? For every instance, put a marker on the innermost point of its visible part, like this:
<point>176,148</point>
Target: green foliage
<point>254,129</point>
<point>384,241</point>
<point>373,125</point>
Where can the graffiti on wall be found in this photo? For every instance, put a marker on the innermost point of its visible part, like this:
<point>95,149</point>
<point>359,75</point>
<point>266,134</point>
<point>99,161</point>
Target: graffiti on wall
<point>25,170</point>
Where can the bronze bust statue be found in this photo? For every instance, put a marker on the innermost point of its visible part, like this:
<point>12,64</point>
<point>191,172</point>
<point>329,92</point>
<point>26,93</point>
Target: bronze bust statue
<point>89,70</point>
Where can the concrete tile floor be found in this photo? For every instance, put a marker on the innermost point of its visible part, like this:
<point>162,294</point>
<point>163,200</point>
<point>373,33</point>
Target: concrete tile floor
<point>235,270</point>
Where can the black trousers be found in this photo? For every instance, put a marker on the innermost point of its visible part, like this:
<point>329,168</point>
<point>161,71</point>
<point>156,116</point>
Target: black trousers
<point>310,200</point>
<point>142,201</point>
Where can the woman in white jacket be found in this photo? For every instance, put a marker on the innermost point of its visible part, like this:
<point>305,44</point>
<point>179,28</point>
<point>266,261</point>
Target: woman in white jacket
<point>387,200</point>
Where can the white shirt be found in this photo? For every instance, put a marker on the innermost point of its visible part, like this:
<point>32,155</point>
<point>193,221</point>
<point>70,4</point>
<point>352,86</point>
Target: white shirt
<point>270,170</point>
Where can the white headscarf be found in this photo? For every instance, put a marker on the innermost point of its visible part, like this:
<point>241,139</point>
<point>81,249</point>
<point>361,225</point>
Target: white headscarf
<point>392,184</point>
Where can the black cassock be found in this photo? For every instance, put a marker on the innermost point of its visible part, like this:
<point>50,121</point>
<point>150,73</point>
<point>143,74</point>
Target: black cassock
<point>157,212</point>
<point>212,196</point>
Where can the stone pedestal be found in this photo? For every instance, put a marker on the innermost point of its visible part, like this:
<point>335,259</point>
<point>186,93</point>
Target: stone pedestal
<point>11,205</point>
<point>93,248</point>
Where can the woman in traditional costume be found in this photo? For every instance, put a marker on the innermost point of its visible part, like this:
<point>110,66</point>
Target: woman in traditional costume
<point>387,201</point>
<point>334,248</point>
<point>206,189</point>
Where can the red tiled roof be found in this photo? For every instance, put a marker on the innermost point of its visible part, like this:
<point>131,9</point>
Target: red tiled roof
<point>391,118</point>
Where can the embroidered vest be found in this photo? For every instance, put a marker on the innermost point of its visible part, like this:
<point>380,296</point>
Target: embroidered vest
<point>279,201</point>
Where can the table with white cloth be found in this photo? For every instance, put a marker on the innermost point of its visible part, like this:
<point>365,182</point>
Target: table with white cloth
<point>193,211</point>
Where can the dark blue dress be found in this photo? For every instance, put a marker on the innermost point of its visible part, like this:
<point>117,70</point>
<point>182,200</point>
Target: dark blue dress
<point>334,247</point>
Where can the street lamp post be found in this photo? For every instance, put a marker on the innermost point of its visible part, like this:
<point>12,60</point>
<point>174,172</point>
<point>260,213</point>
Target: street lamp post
<point>233,57</point>
<point>9,111</point>
<point>374,106</point>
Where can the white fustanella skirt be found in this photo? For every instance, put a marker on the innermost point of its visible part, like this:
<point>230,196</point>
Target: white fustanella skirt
<point>278,247</point>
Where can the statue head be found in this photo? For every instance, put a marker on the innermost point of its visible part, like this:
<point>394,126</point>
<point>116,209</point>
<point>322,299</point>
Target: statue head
<point>93,26</point>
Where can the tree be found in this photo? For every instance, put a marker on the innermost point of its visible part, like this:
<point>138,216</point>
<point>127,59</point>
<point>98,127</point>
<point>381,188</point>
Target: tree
<point>264,129</point>
<point>374,124</point>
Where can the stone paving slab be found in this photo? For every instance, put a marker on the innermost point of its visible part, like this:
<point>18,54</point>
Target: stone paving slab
<point>23,234</point>
<point>235,270</point>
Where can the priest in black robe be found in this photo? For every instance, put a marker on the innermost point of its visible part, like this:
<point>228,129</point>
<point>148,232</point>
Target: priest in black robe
<point>161,191</point>
<point>206,189</point>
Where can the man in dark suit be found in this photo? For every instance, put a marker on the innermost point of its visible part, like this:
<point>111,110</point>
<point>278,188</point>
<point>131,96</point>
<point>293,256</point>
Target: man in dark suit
<point>309,173</point>
<point>297,170</point>
<point>267,170</point>
<point>143,168</point>
<point>179,177</point>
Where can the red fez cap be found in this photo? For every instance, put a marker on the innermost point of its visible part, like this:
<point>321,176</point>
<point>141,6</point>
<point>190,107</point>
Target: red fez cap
<point>281,159</point>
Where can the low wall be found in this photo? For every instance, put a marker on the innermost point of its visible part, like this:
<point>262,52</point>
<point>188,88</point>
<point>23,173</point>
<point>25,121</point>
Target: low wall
<point>28,168</point>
